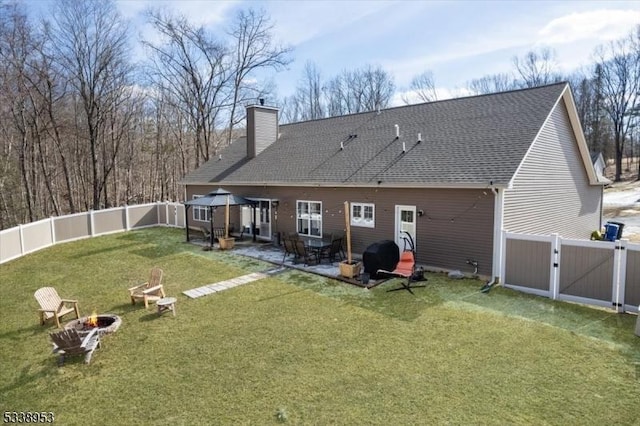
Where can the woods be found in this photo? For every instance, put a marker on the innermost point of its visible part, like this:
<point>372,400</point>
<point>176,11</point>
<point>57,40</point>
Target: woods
<point>91,117</point>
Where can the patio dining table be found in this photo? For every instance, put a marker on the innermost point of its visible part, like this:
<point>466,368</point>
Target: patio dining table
<point>316,245</point>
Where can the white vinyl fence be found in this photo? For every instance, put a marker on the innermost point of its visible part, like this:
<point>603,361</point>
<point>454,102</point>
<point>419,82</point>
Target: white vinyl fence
<point>24,239</point>
<point>600,273</point>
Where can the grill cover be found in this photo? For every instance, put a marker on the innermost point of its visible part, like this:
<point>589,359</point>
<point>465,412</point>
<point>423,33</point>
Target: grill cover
<point>380,255</point>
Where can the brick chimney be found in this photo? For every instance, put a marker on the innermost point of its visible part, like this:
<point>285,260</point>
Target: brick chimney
<point>262,128</point>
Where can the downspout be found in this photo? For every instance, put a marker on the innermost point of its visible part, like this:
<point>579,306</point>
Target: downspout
<point>602,204</point>
<point>497,239</point>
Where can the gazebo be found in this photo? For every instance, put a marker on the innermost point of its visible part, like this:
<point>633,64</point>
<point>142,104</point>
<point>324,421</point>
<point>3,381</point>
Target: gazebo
<point>219,197</point>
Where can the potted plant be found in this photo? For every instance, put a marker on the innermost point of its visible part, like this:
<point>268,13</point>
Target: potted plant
<point>226,243</point>
<point>349,268</point>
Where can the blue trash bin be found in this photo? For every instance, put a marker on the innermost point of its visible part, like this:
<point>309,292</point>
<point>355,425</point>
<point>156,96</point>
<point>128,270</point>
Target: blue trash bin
<point>620,228</point>
<point>610,231</point>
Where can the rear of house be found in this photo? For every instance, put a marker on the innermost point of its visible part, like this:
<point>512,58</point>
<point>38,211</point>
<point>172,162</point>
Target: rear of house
<point>453,173</point>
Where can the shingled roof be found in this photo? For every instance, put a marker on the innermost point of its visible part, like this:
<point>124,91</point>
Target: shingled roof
<point>465,141</point>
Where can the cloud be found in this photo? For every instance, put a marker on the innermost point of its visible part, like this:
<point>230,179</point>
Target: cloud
<point>299,22</point>
<point>602,25</point>
<point>199,12</point>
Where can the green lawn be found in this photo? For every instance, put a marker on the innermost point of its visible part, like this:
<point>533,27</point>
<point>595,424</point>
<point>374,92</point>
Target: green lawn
<point>313,350</point>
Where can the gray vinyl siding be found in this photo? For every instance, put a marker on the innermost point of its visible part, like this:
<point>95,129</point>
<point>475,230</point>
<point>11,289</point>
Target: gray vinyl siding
<point>551,191</point>
<point>457,224</point>
<point>262,129</point>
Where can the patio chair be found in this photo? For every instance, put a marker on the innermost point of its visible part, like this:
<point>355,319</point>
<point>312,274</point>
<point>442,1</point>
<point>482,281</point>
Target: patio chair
<point>304,253</point>
<point>289,249</point>
<point>71,343</point>
<point>206,234</point>
<point>405,268</point>
<point>52,306</point>
<point>333,251</point>
<point>152,290</point>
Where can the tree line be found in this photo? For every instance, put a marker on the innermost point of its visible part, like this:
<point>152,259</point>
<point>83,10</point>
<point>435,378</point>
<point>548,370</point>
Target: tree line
<point>84,125</point>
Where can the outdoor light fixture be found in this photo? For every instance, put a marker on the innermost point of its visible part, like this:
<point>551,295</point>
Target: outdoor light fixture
<point>420,212</point>
<point>274,204</point>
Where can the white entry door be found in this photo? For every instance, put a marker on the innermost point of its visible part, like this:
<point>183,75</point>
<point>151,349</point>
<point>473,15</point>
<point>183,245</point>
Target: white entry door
<point>405,222</point>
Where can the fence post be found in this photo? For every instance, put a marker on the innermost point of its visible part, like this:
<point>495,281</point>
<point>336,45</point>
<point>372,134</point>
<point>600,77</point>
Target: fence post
<point>555,266</point>
<point>619,275</point>
<point>53,230</point>
<point>166,213</point>
<point>126,217</point>
<point>21,239</point>
<point>503,257</point>
<point>91,223</point>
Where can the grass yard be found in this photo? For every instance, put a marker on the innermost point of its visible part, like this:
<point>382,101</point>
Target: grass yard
<point>302,349</point>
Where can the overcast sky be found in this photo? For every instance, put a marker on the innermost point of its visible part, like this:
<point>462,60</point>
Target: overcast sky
<point>456,40</point>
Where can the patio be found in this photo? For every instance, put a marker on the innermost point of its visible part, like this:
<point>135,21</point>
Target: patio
<point>268,252</point>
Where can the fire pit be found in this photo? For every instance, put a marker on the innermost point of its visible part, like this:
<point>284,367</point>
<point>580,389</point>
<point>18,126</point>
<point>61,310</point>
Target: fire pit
<point>106,323</point>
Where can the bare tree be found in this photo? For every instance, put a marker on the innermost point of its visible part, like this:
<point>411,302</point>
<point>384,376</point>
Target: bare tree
<point>537,68</point>
<point>193,67</point>
<point>587,93</point>
<point>378,88</point>
<point>491,84</point>
<point>619,69</point>
<point>365,89</point>
<point>290,109</point>
<point>254,50</point>
<point>422,87</point>
<point>91,42</point>
<point>16,44</point>
<point>309,93</point>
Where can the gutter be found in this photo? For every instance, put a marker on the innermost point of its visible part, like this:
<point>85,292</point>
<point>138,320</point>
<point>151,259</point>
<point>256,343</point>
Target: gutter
<point>404,185</point>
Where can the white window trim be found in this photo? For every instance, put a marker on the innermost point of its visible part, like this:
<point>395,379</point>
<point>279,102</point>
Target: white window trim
<point>199,210</point>
<point>309,217</point>
<point>359,220</point>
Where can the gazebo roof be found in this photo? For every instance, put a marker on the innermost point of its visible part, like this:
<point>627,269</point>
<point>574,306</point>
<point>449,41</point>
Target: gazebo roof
<point>218,198</point>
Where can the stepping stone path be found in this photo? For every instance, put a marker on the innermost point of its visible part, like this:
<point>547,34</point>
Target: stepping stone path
<point>233,282</point>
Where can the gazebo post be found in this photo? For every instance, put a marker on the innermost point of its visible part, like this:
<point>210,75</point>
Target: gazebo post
<point>253,224</point>
<point>211,237</point>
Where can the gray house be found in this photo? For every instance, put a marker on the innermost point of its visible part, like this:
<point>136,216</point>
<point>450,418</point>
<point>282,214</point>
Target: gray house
<point>453,173</point>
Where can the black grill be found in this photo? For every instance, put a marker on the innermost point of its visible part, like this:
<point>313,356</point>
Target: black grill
<point>381,255</point>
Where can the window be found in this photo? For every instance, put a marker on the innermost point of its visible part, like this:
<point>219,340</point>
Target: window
<point>363,215</point>
<point>309,215</point>
<point>200,213</point>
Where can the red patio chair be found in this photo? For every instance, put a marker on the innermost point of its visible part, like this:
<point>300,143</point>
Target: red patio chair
<point>405,268</point>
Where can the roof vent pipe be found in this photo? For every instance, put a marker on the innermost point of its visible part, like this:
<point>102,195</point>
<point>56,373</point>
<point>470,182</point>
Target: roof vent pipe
<point>404,148</point>
<point>341,145</point>
<point>261,101</point>
<point>397,131</point>
<point>419,137</point>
